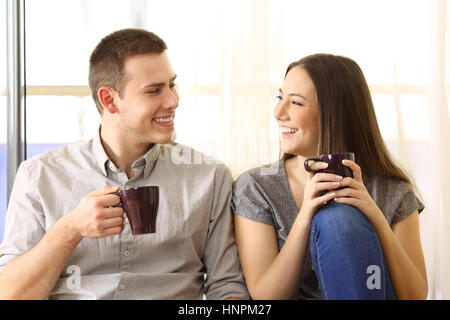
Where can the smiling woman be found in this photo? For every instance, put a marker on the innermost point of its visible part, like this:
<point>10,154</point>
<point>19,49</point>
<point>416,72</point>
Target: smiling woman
<point>298,230</point>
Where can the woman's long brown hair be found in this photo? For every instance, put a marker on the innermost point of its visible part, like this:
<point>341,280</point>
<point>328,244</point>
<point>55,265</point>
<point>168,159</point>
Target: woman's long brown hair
<point>347,117</point>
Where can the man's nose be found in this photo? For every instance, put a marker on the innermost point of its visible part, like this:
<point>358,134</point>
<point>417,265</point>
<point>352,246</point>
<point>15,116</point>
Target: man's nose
<point>171,99</point>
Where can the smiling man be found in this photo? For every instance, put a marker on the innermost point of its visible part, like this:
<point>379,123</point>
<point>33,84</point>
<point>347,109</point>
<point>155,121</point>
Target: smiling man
<point>63,221</point>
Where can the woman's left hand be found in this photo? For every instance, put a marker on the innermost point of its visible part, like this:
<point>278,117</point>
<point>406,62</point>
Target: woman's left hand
<point>355,193</point>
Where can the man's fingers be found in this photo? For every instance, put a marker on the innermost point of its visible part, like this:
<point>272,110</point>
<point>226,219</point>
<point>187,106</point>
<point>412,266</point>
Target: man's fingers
<point>113,212</point>
<point>111,223</point>
<point>112,231</point>
<point>105,190</point>
<point>110,200</point>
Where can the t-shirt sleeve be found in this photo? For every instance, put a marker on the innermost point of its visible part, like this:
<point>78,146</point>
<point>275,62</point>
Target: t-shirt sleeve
<point>406,202</point>
<point>249,200</point>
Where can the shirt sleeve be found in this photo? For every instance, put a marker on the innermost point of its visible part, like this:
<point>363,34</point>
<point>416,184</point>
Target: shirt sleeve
<point>25,221</point>
<point>248,200</point>
<point>406,202</point>
<point>224,278</point>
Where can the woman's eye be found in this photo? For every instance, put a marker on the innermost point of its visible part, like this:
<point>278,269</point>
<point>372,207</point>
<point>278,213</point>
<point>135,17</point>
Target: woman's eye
<point>297,103</point>
<point>279,97</point>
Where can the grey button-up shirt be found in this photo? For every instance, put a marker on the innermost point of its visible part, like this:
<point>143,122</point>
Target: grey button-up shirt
<point>192,254</point>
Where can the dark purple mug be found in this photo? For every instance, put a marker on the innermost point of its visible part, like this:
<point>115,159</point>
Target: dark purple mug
<point>141,207</point>
<point>335,165</point>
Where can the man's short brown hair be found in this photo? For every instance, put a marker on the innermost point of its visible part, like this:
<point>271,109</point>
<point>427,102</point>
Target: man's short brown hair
<point>108,59</point>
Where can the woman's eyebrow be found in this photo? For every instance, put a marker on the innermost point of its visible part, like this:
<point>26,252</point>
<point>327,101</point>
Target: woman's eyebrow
<point>296,95</point>
<point>293,94</point>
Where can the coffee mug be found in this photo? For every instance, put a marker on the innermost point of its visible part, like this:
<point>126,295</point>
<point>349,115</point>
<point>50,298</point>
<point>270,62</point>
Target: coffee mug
<point>141,207</point>
<point>335,165</point>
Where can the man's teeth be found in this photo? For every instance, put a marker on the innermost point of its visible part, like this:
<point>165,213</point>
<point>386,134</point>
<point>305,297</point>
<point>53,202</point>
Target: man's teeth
<point>288,130</point>
<point>163,119</point>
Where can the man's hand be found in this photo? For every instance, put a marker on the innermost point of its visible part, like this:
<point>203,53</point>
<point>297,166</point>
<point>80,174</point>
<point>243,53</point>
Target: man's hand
<point>95,216</point>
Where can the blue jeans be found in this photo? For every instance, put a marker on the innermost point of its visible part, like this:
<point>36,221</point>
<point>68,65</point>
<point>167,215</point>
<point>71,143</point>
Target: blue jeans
<point>347,256</point>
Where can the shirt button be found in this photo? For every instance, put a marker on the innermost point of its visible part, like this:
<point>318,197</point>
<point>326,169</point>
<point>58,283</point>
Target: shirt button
<point>126,253</point>
<point>122,286</point>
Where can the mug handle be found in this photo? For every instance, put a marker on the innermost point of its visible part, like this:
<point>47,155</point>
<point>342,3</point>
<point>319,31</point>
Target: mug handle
<point>307,167</point>
<point>119,193</point>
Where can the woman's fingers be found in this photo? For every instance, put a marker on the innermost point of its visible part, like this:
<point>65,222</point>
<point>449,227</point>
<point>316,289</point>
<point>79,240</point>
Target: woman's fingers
<point>321,177</point>
<point>317,165</point>
<point>325,198</point>
<point>357,175</point>
<point>321,186</point>
<point>314,165</point>
<point>351,183</point>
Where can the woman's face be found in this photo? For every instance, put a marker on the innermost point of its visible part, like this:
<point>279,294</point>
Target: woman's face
<point>297,113</point>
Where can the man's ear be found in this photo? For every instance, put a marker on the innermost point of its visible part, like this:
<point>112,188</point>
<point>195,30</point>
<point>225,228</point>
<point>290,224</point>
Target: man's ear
<point>106,98</point>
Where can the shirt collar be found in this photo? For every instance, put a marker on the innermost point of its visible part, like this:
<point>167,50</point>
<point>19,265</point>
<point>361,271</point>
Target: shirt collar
<point>99,153</point>
<point>149,159</point>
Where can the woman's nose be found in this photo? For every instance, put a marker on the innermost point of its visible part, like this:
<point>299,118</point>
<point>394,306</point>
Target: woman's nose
<point>280,111</point>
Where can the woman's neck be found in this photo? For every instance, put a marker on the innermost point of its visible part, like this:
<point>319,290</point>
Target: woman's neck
<point>295,168</point>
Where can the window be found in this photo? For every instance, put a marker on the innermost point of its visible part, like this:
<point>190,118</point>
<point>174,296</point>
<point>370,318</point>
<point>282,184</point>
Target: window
<point>3,127</point>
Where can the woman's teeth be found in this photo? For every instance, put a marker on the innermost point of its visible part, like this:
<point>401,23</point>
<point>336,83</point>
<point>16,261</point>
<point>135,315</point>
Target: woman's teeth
<point>288,130</point>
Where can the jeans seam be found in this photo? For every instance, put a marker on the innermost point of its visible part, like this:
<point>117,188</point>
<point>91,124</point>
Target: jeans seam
<point>320,268</point>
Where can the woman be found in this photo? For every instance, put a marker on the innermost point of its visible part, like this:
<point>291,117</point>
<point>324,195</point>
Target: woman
<point>358,242</point>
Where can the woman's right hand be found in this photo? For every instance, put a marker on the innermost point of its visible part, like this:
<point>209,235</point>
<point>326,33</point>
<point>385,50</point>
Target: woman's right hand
<point>315,183</point>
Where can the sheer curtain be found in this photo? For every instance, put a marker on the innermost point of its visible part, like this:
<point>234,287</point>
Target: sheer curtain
<point>401,47</point>
<point>438,227</point>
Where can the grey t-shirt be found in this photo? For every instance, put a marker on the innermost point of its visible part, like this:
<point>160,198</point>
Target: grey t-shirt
<point>265,196</point>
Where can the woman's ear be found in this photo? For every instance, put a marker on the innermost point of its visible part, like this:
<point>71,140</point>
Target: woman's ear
<point>106,98</point>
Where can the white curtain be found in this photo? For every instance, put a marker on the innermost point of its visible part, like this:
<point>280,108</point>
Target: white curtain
<point>438,226</point>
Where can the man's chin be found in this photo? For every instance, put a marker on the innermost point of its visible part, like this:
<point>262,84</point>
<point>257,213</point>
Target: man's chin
<point>165,139</point>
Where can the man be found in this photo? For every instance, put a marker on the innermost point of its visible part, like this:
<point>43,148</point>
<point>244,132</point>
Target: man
<point>65,238</point>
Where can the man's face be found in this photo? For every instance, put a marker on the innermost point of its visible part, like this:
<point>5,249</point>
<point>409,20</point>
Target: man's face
<point>147,107</point>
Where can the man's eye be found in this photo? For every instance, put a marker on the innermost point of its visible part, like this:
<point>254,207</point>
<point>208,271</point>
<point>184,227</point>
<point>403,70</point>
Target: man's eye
<point>172,85</point>
<point>279,97</point>
<point>153,91</point>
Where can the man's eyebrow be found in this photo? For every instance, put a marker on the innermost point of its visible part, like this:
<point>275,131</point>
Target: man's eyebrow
<point>158,84</point>
<point>293,94</point>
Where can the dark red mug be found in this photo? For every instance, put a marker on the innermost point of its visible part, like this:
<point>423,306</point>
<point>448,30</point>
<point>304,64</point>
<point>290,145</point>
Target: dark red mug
<point>335,165</point>
<point>141,207</point>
